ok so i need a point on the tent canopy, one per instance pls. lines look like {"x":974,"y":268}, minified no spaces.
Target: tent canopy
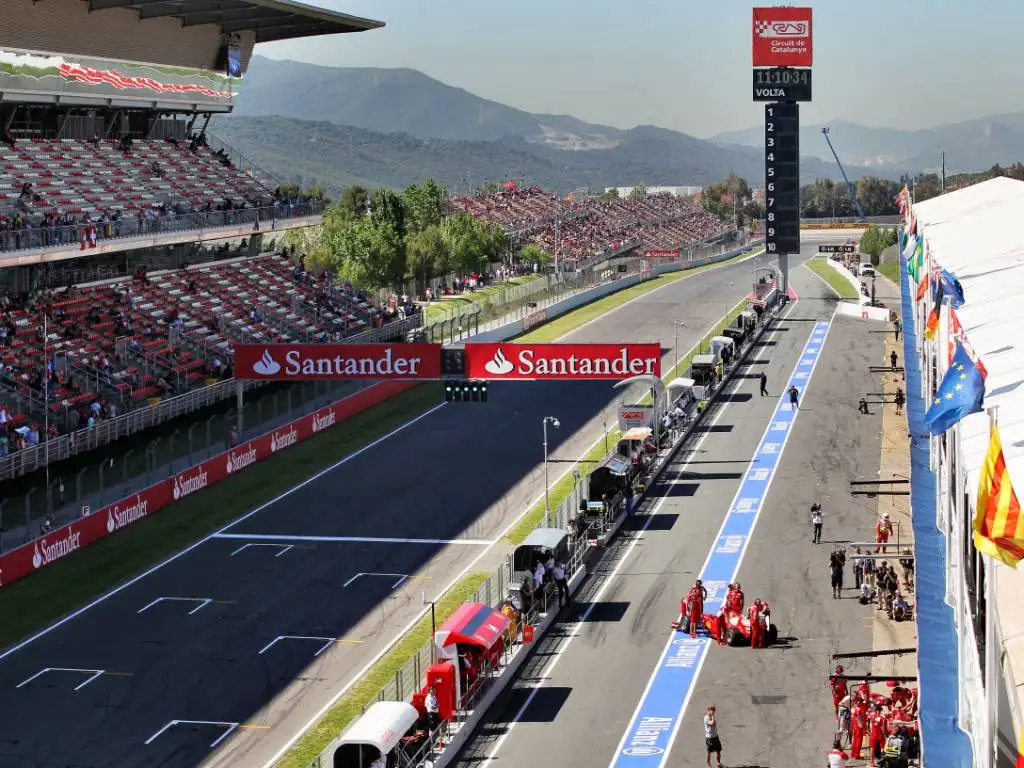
{"x":472,"y":624}
{"x":382,"y":725}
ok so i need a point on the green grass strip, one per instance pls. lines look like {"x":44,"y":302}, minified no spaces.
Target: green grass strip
{"x":37,"y":601}
{"x":890,"y":270}
{"x":444,"y":308}
{"x":367,"y":690}
{"x":830,"y":275}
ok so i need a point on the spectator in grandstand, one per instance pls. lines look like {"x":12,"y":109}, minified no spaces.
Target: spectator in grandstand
{"x":8,"y":139}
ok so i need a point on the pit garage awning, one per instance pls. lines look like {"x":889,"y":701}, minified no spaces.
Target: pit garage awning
{"x":269,"y":20}
{"x":472,"y":624}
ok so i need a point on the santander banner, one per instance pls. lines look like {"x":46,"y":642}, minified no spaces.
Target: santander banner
{"x":562,"y":361}
{"x":27,"y":559}
{"x":295,"y":362}
{"x":782,"y":37}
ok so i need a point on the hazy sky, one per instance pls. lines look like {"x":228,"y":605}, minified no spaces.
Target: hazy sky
{"x":686,"y":65}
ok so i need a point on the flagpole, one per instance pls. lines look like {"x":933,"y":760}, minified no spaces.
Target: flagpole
{"x":991,"y":645}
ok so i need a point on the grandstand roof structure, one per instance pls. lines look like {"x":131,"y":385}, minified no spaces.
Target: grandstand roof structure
{"x":269,"y":20}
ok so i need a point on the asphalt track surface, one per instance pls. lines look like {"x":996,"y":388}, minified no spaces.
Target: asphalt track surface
{"x":577,"y":694}
{"x":461,"y":474}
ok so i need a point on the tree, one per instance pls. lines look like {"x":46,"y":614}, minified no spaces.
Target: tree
{"x":874,"y":241}
{"x":725,"y":198}
{"x":640,"y":190}
{"x":424,"y":205}
{"x":531,"y":253}
{"x":877,"y":197}
{"x":354,"y":199}
{"x":472,"y":243}
{"x":386,"y":206}
{"x":426,"y":256}
{"x":611,"y":194}
{"x":370,"y":253}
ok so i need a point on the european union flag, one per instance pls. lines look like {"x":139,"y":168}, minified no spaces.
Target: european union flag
{"x":962,"y":392}
{"x":952,"y":287}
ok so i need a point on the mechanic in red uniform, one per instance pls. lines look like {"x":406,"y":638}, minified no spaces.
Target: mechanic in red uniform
{"x":715,"y":625}
{"x":734,"y":600}
{"x":858,"y":725}
{"x":839,"y":689}
{"x":694,"y":603}
{"x":754,"y":617}
{"x":876,"y":735}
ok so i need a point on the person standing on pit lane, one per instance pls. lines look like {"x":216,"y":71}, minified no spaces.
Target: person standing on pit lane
{"x":794,"y":397}
{"x":764,"y":384}
{"x":712,"y":743}
{"x":817,"y":520}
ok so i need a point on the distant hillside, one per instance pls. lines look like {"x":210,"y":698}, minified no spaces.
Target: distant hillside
{"x":336,"y":156}
{"x":401,"y":101}
{"x":973,"y":145}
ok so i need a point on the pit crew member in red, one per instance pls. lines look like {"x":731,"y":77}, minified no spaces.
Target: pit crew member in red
{"x":695,"y":605}
{"x":754,"y":617}
{"x":734,"y":599}
{"x":876,"y":736}
{"x":840,"y":690}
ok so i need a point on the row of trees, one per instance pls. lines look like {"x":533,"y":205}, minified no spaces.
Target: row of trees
{"x":385,"y":239}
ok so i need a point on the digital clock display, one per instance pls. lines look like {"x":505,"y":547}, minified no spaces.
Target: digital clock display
{"x":782,"y":84}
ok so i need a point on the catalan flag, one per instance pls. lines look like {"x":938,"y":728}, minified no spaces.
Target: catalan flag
{"x":998,"y":524}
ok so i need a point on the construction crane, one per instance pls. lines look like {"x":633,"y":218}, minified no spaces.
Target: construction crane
{"x":849,"y":184}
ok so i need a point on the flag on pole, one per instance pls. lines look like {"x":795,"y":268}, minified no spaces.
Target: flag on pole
{"x":932,"y":326}
{"x":923,"y":287}
{"x":916,"y":262}
{"x":961,"y":392}
{"x":952,"y":287}
{"x":998,"y":525}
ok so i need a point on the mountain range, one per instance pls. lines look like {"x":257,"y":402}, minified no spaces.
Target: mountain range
{"x":389,"y":127}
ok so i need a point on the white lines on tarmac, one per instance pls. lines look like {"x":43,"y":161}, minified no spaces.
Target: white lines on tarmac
{"x":400,"y":576}
{"x":202,"y":603}
{"x":91,"y":675}
{"x":228,"y":728}
{"x":327,"y":642}
{"x":131,"y":582}
{"x":282,"y":548}
{"x":352,"y":539}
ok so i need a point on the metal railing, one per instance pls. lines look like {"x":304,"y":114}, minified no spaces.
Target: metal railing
{"x":36,"y":237}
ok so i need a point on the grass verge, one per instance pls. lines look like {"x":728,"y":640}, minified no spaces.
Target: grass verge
{"x":836,"y":281}
{"x":44,"y":597}
{"x":890,"y":270}
{"x":442,"y":309}
{"x":366,"y":690}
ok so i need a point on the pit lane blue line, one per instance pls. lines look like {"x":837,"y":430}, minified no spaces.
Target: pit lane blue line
{"x":648,"y":740}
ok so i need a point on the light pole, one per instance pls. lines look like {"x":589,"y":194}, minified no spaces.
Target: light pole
{"x":675,"y":344}
{"x":547,"y":502}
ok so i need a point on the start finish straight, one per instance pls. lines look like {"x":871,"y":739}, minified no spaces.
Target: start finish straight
{"x":655,"y":723}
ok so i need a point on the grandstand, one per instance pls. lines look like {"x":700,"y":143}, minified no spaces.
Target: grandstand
{"x":107,"y":170}
{"x":583,"y":231}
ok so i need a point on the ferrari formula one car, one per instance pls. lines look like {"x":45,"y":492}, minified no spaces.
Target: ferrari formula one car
{"x":737,"y":629}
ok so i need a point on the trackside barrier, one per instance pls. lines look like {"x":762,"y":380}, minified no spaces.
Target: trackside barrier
{"x":863,"y":312}
{"x":68,"y":539}
{"x":30,"y":557}
{"x":444,"y":744}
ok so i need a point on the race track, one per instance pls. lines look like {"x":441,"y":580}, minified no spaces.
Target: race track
{"x":599,"y":677}
{"x":169,"y":671}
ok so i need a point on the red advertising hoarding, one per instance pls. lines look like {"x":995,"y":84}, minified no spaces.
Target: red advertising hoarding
{"x":298,"y":362}
{"x":782,"y":37}
{"x":27,"y":559}
{"x":561,"y":361}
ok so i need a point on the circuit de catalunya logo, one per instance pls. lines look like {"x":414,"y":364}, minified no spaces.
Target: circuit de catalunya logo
{"x":562,"y":361}
{"x":297,"y":362}
{"x":782,"y":37}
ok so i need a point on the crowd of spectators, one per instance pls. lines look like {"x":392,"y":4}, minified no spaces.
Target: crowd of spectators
{"x":577,"y":229}
{"x":89,"y":353}
{"x":71,"y":193}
